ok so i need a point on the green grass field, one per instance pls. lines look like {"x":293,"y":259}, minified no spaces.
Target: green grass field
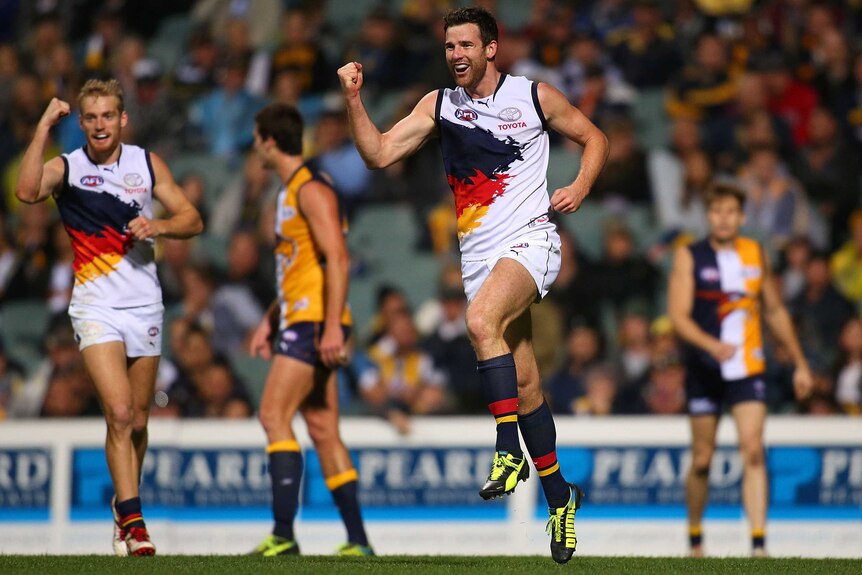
{"x":218,"y":565}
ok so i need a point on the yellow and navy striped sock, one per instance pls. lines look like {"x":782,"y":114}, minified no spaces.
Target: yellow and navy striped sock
{"x":695,"y":536}
{"x":130,"y":513}
{"x":540,"y":437}
{"x":758,"y":538}
{"x":344,"y":488}
{"x":285,"y":470}
{"x":500,"y":385}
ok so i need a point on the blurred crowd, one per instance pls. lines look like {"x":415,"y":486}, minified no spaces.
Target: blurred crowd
{"x":765,"y":93}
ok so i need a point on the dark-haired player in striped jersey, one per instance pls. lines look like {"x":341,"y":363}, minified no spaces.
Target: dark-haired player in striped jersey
{"x":313,"y":322}
{"x":717,"y":290}
{"x":492,"y":130}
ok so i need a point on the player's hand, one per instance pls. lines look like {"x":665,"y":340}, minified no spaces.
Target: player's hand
{"x":332,"y":351}
{"x":56,"y":110}
{"x":803,"y":382}
{"x":350,"y":77}
{"x":567,"y":200}
{"x":143,"y":228}
{"x":722,"y":351}
{"x":261,"y":340}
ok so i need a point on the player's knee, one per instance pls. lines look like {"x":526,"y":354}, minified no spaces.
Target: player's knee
{"x":269,"y":418}
{"x":752,"y":453}
{"x":119,"y":418}
{"x":700,"y":462}
{"x":480,"y":327}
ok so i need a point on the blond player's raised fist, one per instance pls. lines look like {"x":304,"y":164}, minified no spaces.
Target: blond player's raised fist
{"x":350,"y":76}
{"x":56,"y":109}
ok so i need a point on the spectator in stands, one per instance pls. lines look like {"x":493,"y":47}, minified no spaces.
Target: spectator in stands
{"x":243,"y":199}
{"x":576,"y":287}
{"x":11,"y":381}
{"x":176,"y":255}
{"x":706,"y":88}
{"x":848,"y":367}
{"x":261,"y":16}
{"x":792,"y":266}
{"x":61,"y":355}
{"x":829,"y":173}
{"x":104,"y":39}
{"x":62,"y":274}
{"x":645,"y":51}
{"x":820,"y":311}
{"x":391,"y":301}
{"x":155,"y":117}
{"x":218,"y":393}
{"x":70,"y":393}
{"x":600,"y":392}
{"x":790,"y":99}
{"x":31,"y":274}
{"x":584,"y":349}
{"x":833,"y":76}
{"x":776,"y":204}
{"x":338,"y":157}
{"x":225,"y":116}
{"x":846,"y":263}
{"x":624,"y":275}
{"x":379,"y":49}
{"x":300,"y":51}
{"x":679,"y":205}
{"x":194,"y":187}
{"x":624,"y":178}
{"x":410,"y":383}
{"x":196,"y":74}
{"x":448,"y":344}
{"x":664,"y":392}
{"x":632,"y":359}
{"x":244,"y":269}
{"x":193,"y":354}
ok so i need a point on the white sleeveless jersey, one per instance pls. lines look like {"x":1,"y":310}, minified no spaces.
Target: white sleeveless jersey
{"x":97,"y":202}
{"x":495,"y":151}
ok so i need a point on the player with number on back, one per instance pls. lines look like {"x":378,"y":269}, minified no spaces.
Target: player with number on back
{"x":492,"y":130}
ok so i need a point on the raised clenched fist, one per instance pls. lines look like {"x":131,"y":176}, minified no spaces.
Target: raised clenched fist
{"x":350,"y":76}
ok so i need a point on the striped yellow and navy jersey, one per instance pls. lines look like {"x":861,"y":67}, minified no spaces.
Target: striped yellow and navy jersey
{"x":728,"y":286}
{"x":298,"y":262}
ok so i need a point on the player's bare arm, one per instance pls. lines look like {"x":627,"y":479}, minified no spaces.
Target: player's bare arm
{"x":382,"y":150}
{"x":574,"y":125}
{"x":184,"y":221}
{"x":778,"y":319}
{"x":680,"y":303}
{"x":319,"y":205}
{"x":38,"y":181}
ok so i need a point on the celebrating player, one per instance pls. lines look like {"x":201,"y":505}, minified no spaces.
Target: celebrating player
{"x":492,"y":132}
{"x":313,"y":327}
{"x":104,"y":192}
{"x":714,"y":301}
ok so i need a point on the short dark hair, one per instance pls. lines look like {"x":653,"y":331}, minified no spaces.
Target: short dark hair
{"x":717,"y":191}
{"x":282,"y":123}
{"x":479,"y":16}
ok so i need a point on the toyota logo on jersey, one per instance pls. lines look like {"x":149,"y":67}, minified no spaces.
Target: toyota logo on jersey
{"x":466,"y":115}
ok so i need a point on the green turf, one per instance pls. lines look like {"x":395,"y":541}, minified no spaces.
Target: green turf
{"x":217,"y":565}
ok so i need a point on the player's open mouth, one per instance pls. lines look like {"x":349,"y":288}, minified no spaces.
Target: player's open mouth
{"x":460,"y":68}
{"x":101,"y":136}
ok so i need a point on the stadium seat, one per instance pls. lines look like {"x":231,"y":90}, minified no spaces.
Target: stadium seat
{"x":214,"y":171}
{"x":23,"y":325}
{"x":563,"y":166}
{"x":169,"y":43}
{"x":652,"y":124}
{"x":252,"y":371}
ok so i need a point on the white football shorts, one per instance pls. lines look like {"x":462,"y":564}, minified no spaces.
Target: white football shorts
{"x":538,"y":252}
{"x":139,"y":328}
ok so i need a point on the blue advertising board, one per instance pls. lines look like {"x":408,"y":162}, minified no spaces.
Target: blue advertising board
{"x":25,"y":484}
{"x":649,"y":482}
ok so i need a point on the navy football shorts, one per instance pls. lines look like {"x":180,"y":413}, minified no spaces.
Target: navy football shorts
{"x":301,"y":341}
{"x":706,"y":390}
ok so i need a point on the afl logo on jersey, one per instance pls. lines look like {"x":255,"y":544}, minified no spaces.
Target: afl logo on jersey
{"x":466,"y":115}
{"x":92,"y":181}
{"x":133,"y":180}
{"x":509,"y":114}
{"x":710,"y":275}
